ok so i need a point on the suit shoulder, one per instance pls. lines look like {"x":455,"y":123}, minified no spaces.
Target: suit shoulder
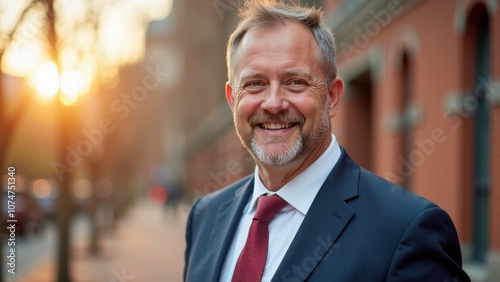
{"x":225,"y":194}
{"x":391,"y":193}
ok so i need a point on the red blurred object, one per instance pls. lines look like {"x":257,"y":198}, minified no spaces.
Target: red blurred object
{"x":158,"y":194}
{"x":25,"y":210}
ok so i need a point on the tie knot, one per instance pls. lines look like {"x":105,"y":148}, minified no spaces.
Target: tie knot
{"x":268,"y":207}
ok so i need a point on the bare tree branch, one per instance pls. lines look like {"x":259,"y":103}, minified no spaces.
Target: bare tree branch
{"x":18,"y":23}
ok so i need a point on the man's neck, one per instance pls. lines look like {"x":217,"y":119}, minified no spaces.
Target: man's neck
{"x":276,"y":176}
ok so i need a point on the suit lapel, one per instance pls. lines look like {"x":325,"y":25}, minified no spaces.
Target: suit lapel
{"x":328,"y":215}
{"x":224,"y":229}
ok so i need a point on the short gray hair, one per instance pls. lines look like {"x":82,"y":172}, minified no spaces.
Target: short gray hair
{"x":269,"y":13}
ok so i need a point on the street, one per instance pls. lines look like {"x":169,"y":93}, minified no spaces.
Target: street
{"x":146,"y":245}
{"x":32,"y":249}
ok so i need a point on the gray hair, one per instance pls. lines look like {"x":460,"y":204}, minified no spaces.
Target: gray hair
{"x":269,"y":13}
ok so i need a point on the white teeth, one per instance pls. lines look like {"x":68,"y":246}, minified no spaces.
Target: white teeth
{"x":276,"y":125}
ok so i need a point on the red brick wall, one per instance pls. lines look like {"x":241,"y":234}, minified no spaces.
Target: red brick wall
{"x":329,"y":5}
{"x":441,"y":65}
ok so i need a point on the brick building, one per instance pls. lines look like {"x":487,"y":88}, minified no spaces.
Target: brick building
{"x":421,"y":108}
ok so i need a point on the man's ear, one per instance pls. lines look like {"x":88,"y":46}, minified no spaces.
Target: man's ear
{"x":335,"y":91}
{"x":229,"y":95}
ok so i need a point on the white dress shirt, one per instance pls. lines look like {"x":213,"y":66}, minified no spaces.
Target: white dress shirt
{"x":299,"y":194}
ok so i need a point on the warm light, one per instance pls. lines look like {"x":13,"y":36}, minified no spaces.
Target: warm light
{"x":46,"y":80}
{"x":67,"y":99}
{"x":42,"y":188}
{"x":72,"y":83}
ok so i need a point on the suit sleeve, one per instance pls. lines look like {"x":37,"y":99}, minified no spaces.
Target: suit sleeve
{"x":428,"y":251}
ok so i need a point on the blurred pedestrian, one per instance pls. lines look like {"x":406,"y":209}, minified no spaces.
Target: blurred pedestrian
{"x":308,"y":212}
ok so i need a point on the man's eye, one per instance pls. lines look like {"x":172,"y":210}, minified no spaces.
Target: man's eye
{"x":254,"y":84}
{"x":297,"y":82}
{"x":296,"y":85}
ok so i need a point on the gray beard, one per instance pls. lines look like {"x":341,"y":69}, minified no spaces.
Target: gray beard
{"x":297,"y":149}
{"x":288,"y":156}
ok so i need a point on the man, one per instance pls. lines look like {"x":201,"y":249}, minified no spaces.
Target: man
{"x":331,"y":220}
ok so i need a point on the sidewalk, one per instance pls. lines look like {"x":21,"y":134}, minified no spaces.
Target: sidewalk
{"x":147,"y":246}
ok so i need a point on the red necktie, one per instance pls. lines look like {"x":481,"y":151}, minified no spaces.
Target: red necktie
{"x":252,"y":260}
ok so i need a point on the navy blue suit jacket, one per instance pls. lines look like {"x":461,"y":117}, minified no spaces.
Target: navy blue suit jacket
{"x":360,"y":227}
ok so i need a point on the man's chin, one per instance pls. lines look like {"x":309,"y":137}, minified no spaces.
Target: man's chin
{"x":275,"y":154}
{"x":273,"y":160}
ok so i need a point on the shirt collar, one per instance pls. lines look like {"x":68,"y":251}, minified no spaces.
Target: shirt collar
{"x":302,"y":189}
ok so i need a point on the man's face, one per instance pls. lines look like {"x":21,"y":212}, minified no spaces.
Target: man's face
{"x":280,"y":101}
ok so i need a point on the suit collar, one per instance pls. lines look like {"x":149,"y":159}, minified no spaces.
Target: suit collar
{"x":301,"y":190}
{"x":225,"y":226}
{"x":344,"y":177}
{"x":328,"y":216}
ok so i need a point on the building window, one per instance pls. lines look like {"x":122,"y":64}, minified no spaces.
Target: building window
{"x":406,"y":117}
{"x":359,"y":135}
{"x":478,"y":34}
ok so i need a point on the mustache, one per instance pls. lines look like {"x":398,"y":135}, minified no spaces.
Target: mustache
{"x":276,"y":118}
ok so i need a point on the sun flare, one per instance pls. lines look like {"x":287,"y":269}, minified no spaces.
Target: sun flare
{"x":45,"y":80}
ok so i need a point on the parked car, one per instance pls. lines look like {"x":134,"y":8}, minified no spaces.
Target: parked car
{"x":25,"y":210}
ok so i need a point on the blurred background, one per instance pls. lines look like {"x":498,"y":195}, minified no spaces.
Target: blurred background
{"x":113,"y":120}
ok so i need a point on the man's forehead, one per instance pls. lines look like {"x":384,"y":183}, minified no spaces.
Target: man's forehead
{"x":281,"y":41}
{"x":291,"y":71}
{"x":288,"y":28}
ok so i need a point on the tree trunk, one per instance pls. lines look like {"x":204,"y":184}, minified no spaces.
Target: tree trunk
{"x":65,"y":121}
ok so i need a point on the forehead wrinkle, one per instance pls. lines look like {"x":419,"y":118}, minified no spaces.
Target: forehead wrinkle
{"x":296,"y":72}
{"x":246,"y":74}
{"x":280,"y":74}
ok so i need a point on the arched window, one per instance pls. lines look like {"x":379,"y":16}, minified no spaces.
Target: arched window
{"x":359,"y":134}
{"x":477,"y":76}
{"x":406,"y":116}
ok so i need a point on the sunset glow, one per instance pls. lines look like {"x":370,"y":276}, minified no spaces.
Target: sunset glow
{"x":45,"y":80}
{"x":72,"y":85}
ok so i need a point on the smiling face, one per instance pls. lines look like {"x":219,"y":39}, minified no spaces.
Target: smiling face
{"x":281,"y":103}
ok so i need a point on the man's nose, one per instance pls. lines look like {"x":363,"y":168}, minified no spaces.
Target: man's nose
{"x":275,"y":100}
